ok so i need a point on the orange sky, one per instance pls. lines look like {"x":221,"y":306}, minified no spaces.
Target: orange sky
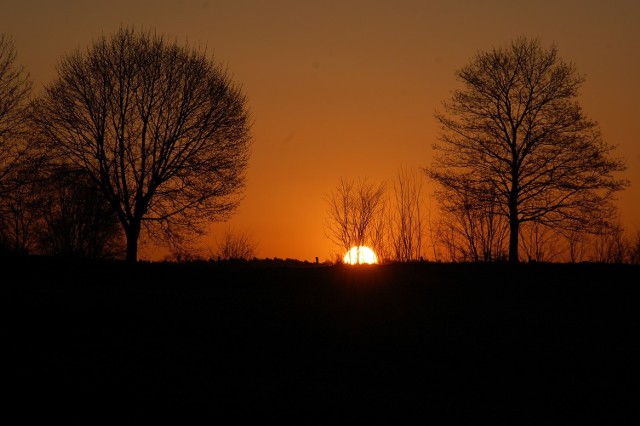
{"x":349,"y":88}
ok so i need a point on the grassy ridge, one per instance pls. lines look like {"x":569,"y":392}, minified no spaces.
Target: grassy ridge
{"x":304,"y":343}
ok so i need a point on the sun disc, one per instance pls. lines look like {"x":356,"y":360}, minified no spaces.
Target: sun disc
{"x":359,"y":255}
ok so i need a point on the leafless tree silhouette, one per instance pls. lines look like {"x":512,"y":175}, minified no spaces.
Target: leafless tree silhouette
{"x":75,"y":220}
{"x":515,"y":141}
{"x":352,"y":210}
{"x":407,"y":224}
{"x":610,"y":245}
{"x":467,"y":231}
{"x":541,"y":243}
{"x":634,"y":249}
{"x":236,"y":246}
{"x":19,"y":212}
{"x":161,"y":129}
{"x":15,"y":88}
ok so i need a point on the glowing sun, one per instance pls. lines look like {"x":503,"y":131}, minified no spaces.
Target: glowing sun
{"x":359,"y":255}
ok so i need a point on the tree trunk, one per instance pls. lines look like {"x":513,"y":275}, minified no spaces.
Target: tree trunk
{"x":514,"y":224}
{"x":132,"y":232}
{"x":513,"y":239}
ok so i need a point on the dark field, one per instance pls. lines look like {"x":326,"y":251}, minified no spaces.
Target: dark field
{"x":397,"y":344}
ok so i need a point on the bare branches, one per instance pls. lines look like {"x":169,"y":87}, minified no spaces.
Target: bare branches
{"x":362,"y":214}
{"x":353,"y":209}
{"x":161,"y":129}
{"x":408,"y":226}
{"x":15,"y":88}
{"x":236,"y":246}
{"x":516,"y":131}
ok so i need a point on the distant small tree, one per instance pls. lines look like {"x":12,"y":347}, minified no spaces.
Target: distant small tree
{"x":407,"y":224}
{"x":634,"y":249}
{"x":236,"y":246}
{"x":576,"y":244}
{"x":353,"y":207}
{"x":471,"y":232}
{"x":610,"y":245}
{"x":75,"y":220}
{"x":19,"y":212}
{"x":541,"y":243}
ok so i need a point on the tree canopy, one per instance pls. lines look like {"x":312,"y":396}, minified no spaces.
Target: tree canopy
{"x":515,"y":142}
{"x":161,"y":129}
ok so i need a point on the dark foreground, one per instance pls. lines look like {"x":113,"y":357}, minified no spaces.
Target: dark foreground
{"x":401,"y":344}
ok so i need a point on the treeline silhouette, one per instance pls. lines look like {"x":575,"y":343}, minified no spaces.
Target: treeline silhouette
{"x":398,"y":222}
{"x":92,"y":165}
{"x":57,"y":211}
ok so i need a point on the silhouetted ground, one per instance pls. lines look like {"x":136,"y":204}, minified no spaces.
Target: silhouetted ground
{"x":304,"y":344}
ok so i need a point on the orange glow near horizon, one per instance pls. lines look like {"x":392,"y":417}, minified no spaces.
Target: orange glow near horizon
{"x":360,"y":255}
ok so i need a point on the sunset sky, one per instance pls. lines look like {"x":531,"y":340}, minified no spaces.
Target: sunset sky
{"x":349,"y":88}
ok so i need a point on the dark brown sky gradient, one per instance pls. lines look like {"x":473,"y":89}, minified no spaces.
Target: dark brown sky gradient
{"x":349,"y":88}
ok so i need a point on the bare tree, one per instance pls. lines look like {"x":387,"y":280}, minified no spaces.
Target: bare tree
{"x":541,"y":243}
{"x":353,"y":208}
{"x":469,"y":231}
{"x":18,"y":212}
{"x":162,"y":131}
{"x":634,"y":249}
{"x":408,"y":224}
{"x":340,"y":212}
{"x":57,"y":211}
{"x":610,"y":245}
{"x":74,"y":219}
{"x":576,"y":244}
{"x":236,"y":246}
{"x":15,"y":88}
{"x":515,"y":138}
